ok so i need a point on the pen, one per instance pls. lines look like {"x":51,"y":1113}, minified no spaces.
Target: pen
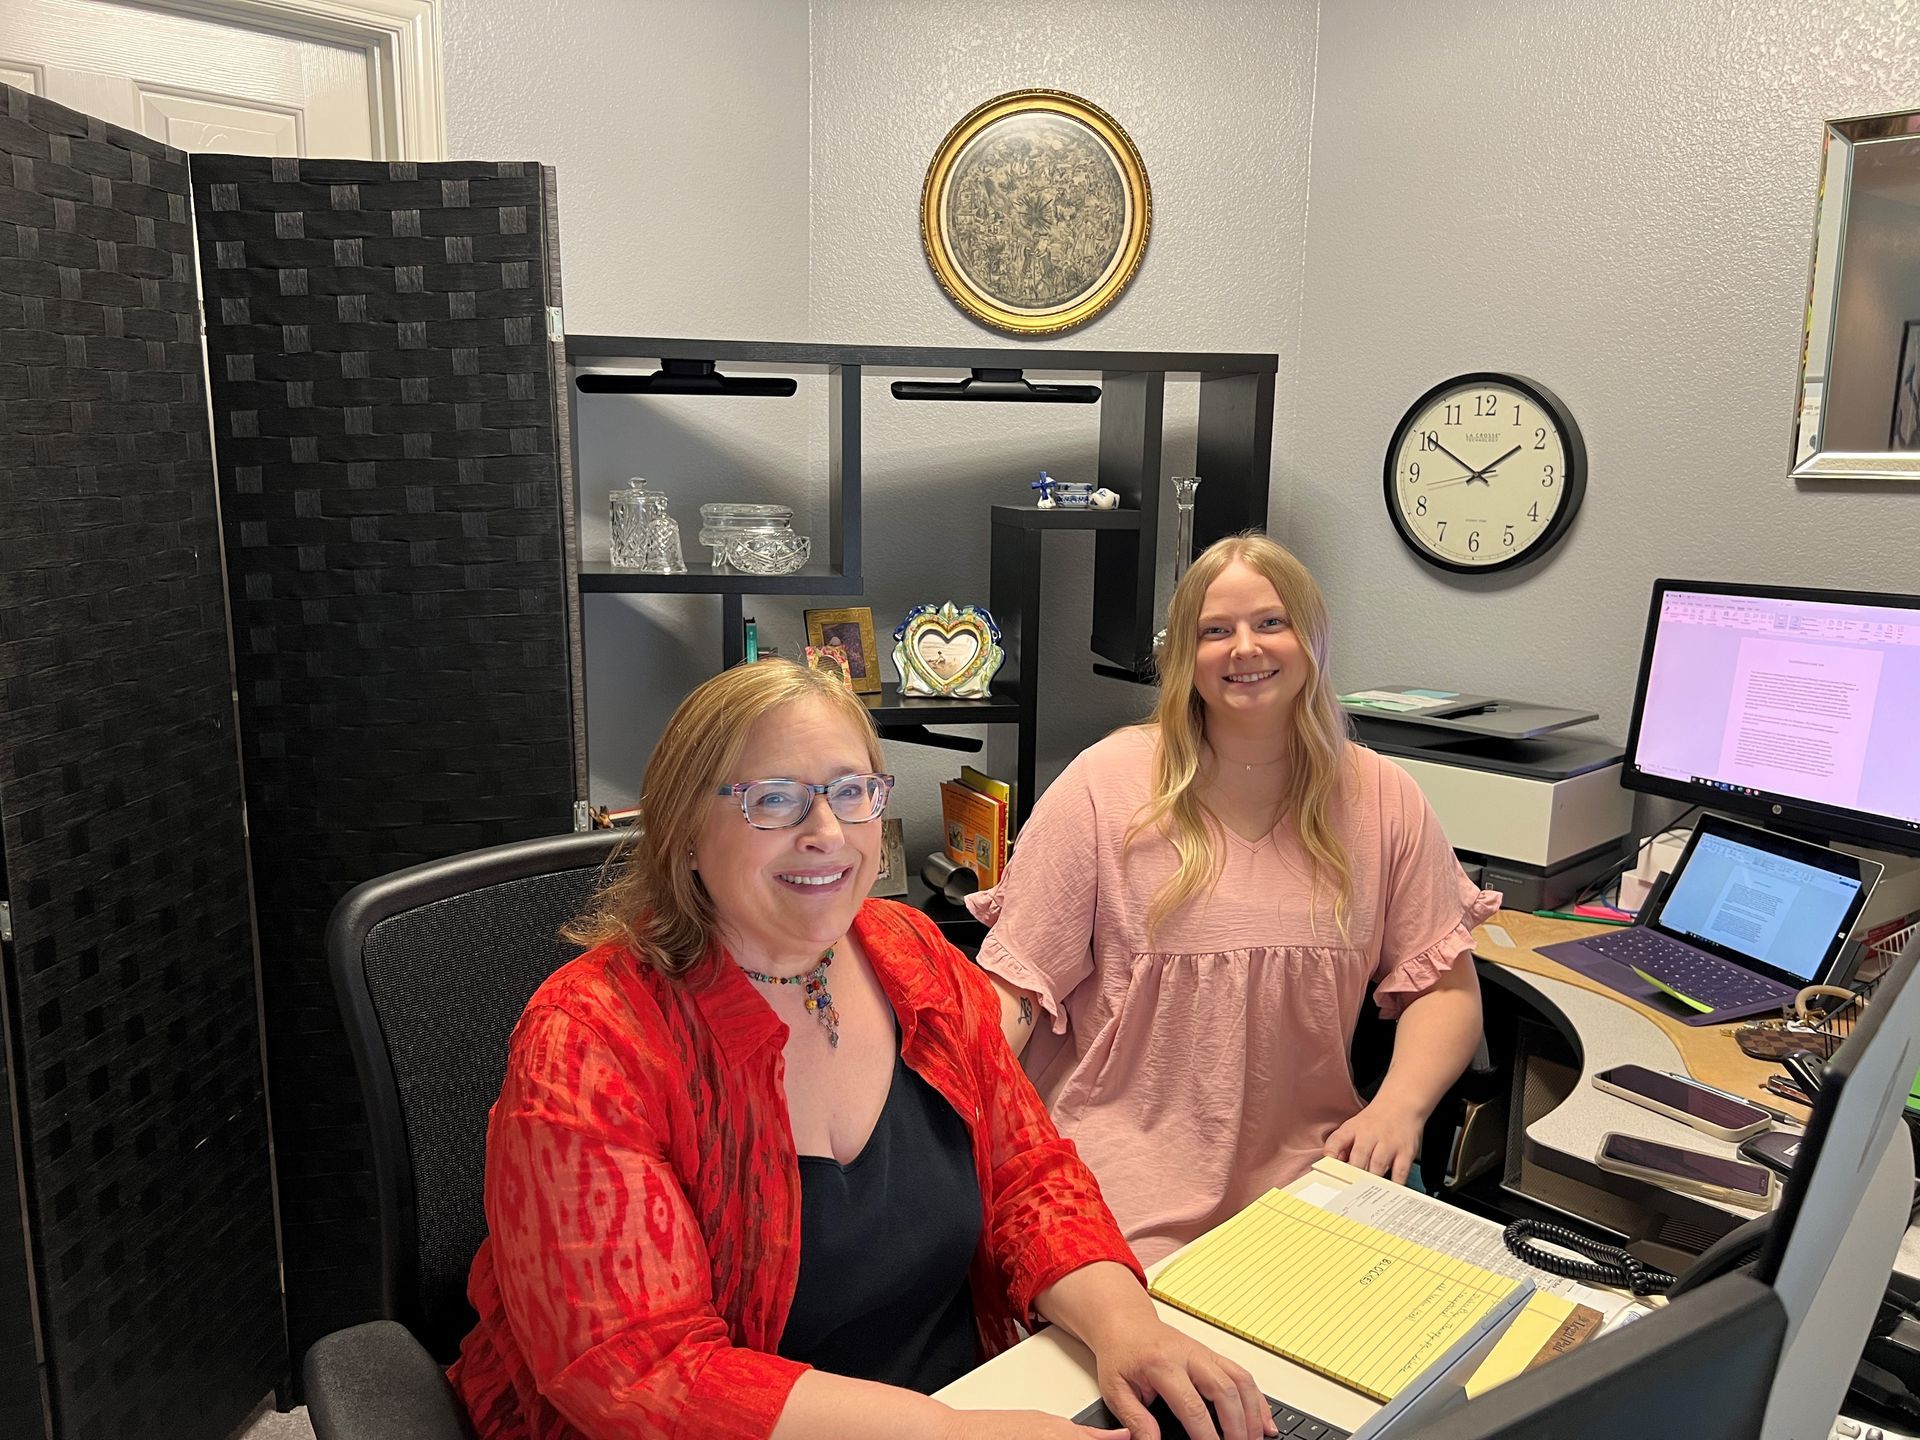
{"x":1729,"y":1095}
{"x":1583,"y":919}
{"x":1786,"y":1090}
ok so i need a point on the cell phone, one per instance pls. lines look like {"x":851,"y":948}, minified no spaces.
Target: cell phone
{"x":1707,"y":1111}
{"x":1777,"y":1150}
{"x":1691,"y":1172}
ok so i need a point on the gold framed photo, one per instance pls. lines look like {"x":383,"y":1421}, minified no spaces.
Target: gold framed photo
{"x":1035,"y":211}
{"x":852,"y":630}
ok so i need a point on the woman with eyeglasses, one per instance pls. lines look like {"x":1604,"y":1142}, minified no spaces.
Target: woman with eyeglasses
{"x":763,"y":1164}
{"x":1196,"y":911}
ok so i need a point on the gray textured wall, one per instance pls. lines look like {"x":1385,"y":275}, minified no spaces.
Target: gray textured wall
{"x":1616,"y":199}
{"x":1218,"y":99}
{"x":1613,"y":198}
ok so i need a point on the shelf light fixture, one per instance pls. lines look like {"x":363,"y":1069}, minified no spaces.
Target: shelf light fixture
{"x":989,"y":384}
{"x":684,"y":377}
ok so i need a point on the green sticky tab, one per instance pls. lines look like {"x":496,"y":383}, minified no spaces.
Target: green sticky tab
{"x":1662,"y":985}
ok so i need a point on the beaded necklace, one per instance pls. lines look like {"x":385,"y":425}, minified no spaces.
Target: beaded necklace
{"x":819,"y":1001}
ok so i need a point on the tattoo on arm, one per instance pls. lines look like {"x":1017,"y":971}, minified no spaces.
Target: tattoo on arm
{"x":1026,"y":1010}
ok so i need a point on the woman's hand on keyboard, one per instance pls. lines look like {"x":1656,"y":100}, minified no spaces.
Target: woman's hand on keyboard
{"x":1156,"y":1360}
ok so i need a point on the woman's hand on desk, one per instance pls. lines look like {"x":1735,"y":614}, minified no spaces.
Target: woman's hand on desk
{"x":1136,"y":1354}
{"x":1383,"y":1139}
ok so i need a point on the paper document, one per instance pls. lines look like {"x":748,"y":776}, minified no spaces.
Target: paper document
{"x":1401,"y":701}
{"x":1439,"y":1226}
{"x":1356,"y":1304}
{"x":1562,"y":1314}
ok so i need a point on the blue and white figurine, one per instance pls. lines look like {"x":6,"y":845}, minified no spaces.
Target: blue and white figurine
{"x":1045,"y":486}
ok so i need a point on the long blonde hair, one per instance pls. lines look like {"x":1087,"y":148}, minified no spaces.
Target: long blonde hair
{"x":1317,"y":740}
{"x":654,"y":900}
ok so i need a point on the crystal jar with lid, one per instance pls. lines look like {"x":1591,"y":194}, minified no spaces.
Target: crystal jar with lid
{"x":645,"y":536}
{"x":720,"y":523}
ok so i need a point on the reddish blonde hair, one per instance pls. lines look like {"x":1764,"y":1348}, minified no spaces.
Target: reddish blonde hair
{"x":654,"y":901}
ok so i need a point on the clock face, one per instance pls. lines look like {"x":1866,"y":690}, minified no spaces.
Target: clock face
{"x":1485,"y":471}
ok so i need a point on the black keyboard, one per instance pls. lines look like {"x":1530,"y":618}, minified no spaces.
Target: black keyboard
{"x":1294,"y":1424}
{"x":1707,"y":978}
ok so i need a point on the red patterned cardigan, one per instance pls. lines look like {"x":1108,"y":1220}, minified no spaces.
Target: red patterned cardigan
{"x":643,"y":1197}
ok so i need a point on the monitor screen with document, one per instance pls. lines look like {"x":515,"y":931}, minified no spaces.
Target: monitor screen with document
{"x":1789,"y":706}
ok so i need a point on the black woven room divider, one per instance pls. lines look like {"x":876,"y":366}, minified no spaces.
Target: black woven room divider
{"x":388,"y":453}
{"x":132,"y":1030}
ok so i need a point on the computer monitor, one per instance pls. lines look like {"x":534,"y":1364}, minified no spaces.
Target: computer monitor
{"x":1700,"y":1368}
{"x":1792,"y":707}
{"x":1766,"y":1355}
{"x":1846,"y":1205}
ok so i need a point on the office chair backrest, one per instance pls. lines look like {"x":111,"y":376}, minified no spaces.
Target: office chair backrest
{"x":433,"y":966}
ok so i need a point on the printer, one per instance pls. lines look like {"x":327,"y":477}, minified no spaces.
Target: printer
{"x":1536,"y":815}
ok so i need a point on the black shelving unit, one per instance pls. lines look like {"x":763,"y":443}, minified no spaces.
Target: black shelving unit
{"x":1234,"y":454}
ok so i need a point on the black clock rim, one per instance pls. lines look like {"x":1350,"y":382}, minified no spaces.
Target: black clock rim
{"x":1573,"y":492}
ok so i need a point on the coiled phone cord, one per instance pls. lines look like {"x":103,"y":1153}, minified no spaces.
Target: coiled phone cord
{"x":1610,"y":1265}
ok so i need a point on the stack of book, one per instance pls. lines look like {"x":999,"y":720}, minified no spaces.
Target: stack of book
{"x":977,"y":811}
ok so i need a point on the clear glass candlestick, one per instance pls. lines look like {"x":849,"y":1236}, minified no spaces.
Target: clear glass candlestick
{"x":1184,"y":487}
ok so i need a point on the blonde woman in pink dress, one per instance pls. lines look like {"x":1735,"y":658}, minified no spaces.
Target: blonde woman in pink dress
{"x":1196,"y":911}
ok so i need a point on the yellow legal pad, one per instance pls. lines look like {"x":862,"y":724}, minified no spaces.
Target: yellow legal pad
{"x":1356,"y":1304}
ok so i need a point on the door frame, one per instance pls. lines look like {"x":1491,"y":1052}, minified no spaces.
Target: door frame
{"x":400,"y":38}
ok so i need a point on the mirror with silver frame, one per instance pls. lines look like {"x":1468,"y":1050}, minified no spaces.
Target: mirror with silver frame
{"x":1858,"y":416}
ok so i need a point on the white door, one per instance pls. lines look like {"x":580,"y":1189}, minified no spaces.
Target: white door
{"x":193,"y":83}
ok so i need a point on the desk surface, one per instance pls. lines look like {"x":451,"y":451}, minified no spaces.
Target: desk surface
{"x":1611,"y":1029}
{"x":1708,"y":1052}
{"x":1053,"y":1372}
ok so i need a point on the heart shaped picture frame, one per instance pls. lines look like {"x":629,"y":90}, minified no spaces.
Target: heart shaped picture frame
{"x":951,"y":650}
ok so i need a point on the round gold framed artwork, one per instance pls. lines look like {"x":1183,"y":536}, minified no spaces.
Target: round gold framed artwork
{"x":1035,"y":211}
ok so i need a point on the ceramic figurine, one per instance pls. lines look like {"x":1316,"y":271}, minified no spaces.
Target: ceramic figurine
{"x":1045,"y":486}
{"x":1105,"y":499}
{"x":953,"y":650}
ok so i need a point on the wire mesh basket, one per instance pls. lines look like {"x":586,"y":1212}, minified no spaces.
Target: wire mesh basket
{"x":1838,"y":1015}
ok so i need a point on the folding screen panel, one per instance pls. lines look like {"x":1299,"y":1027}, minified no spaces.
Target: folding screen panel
{"x":132,"y":1040}
{"x":388,"y":457}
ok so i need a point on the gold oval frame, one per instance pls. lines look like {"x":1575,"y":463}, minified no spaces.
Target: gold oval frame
{"x":993,"y":310}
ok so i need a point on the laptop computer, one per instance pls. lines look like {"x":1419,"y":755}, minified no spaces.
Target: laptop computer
{"x":1434,"y":1391}
{"x":1748,"y":918}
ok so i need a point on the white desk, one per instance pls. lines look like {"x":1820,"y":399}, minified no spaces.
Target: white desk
{"x":1611,"y":1029}
{"x":1053,"y":1372}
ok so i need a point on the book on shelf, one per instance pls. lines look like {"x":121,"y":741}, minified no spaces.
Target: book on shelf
{"x":987,"y":785}
{"x":975,"y":828}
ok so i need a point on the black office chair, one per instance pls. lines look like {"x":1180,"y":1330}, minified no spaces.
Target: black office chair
{"x":432,"y":966}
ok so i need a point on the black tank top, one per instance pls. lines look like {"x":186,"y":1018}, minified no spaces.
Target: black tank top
{"x":885,"y":1245}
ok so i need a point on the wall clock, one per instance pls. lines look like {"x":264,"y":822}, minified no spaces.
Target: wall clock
{"x":1485,"y":472}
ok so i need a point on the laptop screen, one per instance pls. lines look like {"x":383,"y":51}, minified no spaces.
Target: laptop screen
{"x":1785,"y":905}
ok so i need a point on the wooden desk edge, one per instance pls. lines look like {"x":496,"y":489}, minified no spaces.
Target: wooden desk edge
{"x":1709,"y":1052}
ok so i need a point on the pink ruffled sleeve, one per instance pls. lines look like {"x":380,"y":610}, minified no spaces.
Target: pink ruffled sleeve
{"x":1041,"y":913}
{"x":1430,"y":908}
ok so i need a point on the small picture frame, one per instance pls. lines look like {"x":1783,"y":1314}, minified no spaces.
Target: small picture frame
{"x":891,"y":882}
{"x":830,"y":660}
{"x":852,"y":630}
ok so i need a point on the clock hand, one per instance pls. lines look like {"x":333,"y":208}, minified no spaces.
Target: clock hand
{"x":1481,"y":473}
{"x":1451,"y":456}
